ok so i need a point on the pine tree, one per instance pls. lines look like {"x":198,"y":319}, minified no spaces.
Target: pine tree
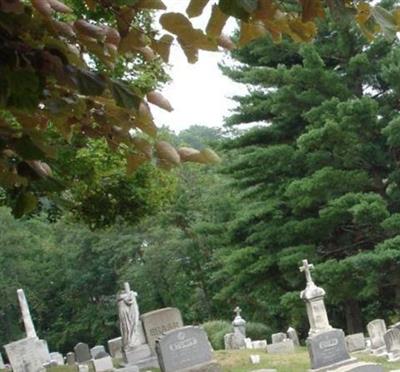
{"x":318,"y":177}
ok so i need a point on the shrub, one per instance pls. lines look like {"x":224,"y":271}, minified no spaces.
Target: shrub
{"x":258,"y":331}
{"x":216,"y":330}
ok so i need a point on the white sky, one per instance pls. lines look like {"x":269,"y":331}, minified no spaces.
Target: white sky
{"x":199,"y":93}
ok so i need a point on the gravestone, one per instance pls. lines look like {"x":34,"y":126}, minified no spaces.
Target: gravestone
{"x":185,"y":349}
{"x":283,"y":347}
{"x":97,"y":349}
{"x":355,"y":342}
{"x":28,"y":354}
{"x":82,"y":353}
{"x":58,"y":358}
{"x":103,"y":364}
{"x":255,"y":359}
{"x":259,"y":344}
{"x":395,"y":325}
{"x":83,"y":368}
{"x":326,"y":345}
{"x":292,"y":334}
{"x":71,"y":358}
{"x":157,"y":322}
{"x":278,"y":337}
{"x":115,"y":347}
{"x":392,"y":342}
{"x":376,"y":330}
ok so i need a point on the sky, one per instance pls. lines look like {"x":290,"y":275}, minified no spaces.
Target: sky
{"x":199,"y":93}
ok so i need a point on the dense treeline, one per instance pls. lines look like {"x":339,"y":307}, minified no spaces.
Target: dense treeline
{"x":318,"y":178}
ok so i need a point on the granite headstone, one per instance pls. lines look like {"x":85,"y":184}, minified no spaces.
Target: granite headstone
{"x":278,"y":337}
{"x":283,"y":347}
{"x":82,"y":353}
{"x":97,"y":349}
{"x":292,"y":334}
{"x":392,"y":341}
{"x":376,"y":330}
{"x":355,"y":342}
{"x":115,"y":347}
{"x":71,"y":358}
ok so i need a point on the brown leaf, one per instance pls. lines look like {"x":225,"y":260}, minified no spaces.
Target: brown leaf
{"x":311,"y":10}
{"x":91,"y":4}
{"x":43,"y":7}
{"x":11,"y":6}
{"x":58,"y":6}
{"x":196,"y":7}
{"x":205,"y":156}
{"x":266,"y":10}
{"x":133,"y":40}
{"x":143,"y":146}
{"x":144,"y":120}
{"x":191,"y":53}
{"x":216,"y":22}
{"x":226,"y":42}
{"x":147,"y":53}
{"x":63,"y":28}
{"x":133,"y":162}
{"x":41,"y":168}
{"x":112,"y":36}
{"x":124,"y":19}
{"x":163,"y":46}
{"x":159,"y":100}
{"x":250,"y":32}
{"x":150,"y":4}
{"x":166,"y":152}
{"x":89,"y":29}
{"x":188,"y":154}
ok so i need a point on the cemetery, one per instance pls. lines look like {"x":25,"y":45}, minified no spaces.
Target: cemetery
{"x":199,"y":186}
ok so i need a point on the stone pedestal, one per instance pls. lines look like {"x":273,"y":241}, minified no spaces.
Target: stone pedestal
{"x":140,"y":356}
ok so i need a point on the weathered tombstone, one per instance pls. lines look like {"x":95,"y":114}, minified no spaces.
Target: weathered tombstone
{"x":283,"y":347}
{"x":228,"y":341}
{"x":115,"y":347}
{"x":376,"y":331}
{"x":236,"y":339}
{"x":355,"y":342}
{"x":278,"y":337}
{"x":185,"y":349}
{"x":157,"y":322}
{"x":255,"y":359}
{"x":97,"y":349}
{"x":57,"y":358}
{"x":82,"y":353}
{"x":71,"y":358}
{"x":103,"y":364}
{"x":327,"y":346}
{"x":392,"y":341}
{"x":83,"y":368}
{"x":259,"y":344}
{"x":292,"y":334}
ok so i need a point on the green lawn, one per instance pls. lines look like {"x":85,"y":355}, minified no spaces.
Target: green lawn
{"x":239,"y":361}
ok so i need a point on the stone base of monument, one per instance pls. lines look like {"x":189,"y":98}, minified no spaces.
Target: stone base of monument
{"x":140,"y":356}
{"x":394,"y":356}
{"x":381,"y":351}
{"x":211,"y":366}
{"x":359,"y":367}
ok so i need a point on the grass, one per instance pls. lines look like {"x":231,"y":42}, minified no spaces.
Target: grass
{"x":239,"y":361}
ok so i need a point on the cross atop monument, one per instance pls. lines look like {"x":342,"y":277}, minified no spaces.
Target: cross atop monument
{"x":307,"y":269}
{"x":237,"y":310}
{"x":127,"y":287}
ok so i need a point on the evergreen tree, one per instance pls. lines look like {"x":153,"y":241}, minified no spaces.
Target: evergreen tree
{"x":318,"y":178}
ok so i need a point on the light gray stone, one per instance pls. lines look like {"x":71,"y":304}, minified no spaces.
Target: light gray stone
{"x":259,"y":344}
{"x":239,"y":324}
{"x":228,"y":341}
{"x":355,"y":342}
{"x":103,"y":364}
{"x":255,"y":359}
{"x":292,"y":334}
{"x":185,"y":349}
{"x":360,"y":367}
{"x":96,"y":350}
{"x":28,"y":354}
{"x":115,"y":347}
{"x":26,"y":315}
{"x":83,"y":368}
{"x":128,"y":369}
{"x":284,"y":347}
{"x":82,"y":353}
{"x":392,"y":342}
{"x":71,"y":358}
{"x":278,"y":337}
{"x":2,"y":366}
{"x":396,"y":325}
{"x":157,"y":322}
{"x":376,"y":331}
{"x":57,"y":357}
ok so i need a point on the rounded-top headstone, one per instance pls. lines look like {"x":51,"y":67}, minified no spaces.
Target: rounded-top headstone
{"x":101,"y":354}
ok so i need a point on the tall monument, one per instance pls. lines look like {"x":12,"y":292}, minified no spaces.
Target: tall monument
{"x":26,"y":314}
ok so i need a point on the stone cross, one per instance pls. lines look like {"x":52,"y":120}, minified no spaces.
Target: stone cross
{"x":307,"y":269}
{"x":26,"y":315}
{"x":237,"y":310}
{"x":127,"y":287}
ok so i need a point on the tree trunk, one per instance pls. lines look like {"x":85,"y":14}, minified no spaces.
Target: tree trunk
{"x":353,"y":316}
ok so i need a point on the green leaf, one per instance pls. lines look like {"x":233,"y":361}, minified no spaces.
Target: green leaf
{"x":26,"y":203}
{"x":90,"y":83}
{"x":25,"y":147}
{"x":124,"y":95}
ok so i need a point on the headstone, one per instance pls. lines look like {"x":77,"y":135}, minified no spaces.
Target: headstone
{"x":58,"y":358}
{"x":355,"y":342}
{"x":284,"y":347}
{"x":102,"y":354}
{"x":376,"y":331}
{"x":396,"y":325}
{"x":97,"y":349}
{"x":82,"y":353}
{"x":259,"y":344}
{"x":228,"y":341}
{"x":83,"y":368}
{"x":327,"y":346}
{"x":278,"y":337}
{"x":255,"y":359}
{"x":247,"y":342}
{"x":103,"y":364}
{"x":392,"y":341}
{"x":157,"y":322}
{"x":185,"y":349}
{"x":26,"y":315}
{"x":115,"y":347}
{"x":28,"y":354}
{"x":71,"y":358}
{"x":292,"y":334}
